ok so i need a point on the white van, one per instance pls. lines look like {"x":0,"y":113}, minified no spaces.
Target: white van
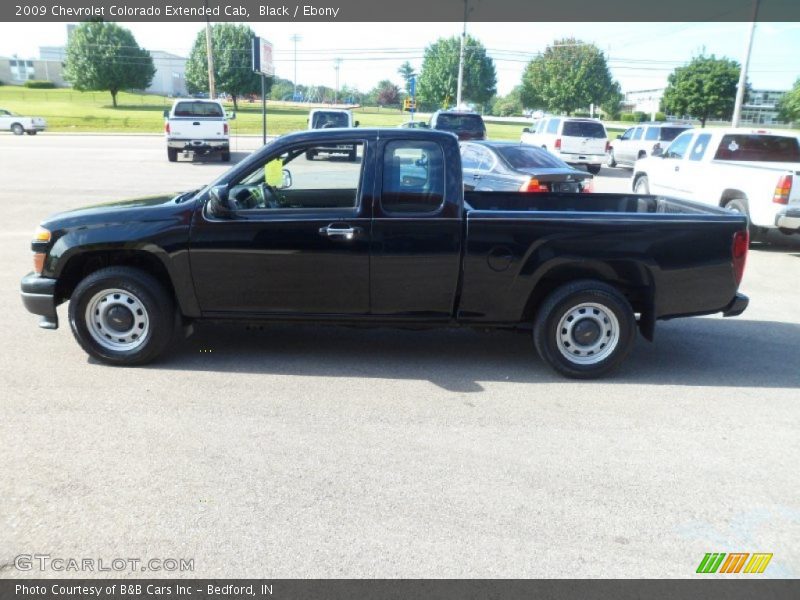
{"x":574,"y":140}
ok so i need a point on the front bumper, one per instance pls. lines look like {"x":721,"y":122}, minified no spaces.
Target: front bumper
{"x":789,"y":219}
{"x":39,"y":297}
{"x":737,"y":306}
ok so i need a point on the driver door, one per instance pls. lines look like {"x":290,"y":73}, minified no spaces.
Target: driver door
{"x":291,"y":243}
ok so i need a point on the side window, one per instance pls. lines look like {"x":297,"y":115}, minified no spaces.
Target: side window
{"x":637,"y":134}
{"x":678,"y":148}
{"x":700,"y":145}
{"x":413,"y":177}
{"x":540,"y":126}
{"x":469,"y":157}
{"x":303,"y":177}
{"x":486,"y":159}
{"x":552,"y":125}
{"x":627,"y":135}
{"x":651,"y":135}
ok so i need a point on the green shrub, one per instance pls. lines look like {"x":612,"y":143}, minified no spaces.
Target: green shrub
{"x":627,"y":118}
{"x":661,"y":116}
{"x":581,"y":114}
{"x":38,"y":84}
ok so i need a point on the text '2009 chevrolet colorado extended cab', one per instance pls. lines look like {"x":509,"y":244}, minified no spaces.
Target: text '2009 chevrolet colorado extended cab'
{"x":390,"y":239}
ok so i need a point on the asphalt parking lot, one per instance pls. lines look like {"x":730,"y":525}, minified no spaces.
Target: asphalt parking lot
{"x":331,"y":452}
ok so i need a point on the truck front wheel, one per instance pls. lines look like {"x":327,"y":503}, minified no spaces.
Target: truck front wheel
{"x":122,"y":316}
{"x":584,"y":329}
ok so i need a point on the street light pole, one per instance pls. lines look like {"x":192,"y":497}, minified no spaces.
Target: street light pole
{"x":737,"y":108}
{"x":295,"y":38}
{"x":461,"y":58}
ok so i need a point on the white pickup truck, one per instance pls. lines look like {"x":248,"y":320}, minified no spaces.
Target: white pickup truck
{"x":197,"y":127}
{"x":754,"y":172}
{"x":17,"y":124}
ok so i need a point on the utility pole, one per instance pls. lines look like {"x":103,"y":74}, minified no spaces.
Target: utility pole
{"x":296,"y":37}
{"x":461,"y":58}
{"x":737,"y":108}
{"x":336,"y":64}
{"x":212,"y":88}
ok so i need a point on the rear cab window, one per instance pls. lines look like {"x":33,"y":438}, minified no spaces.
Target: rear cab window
{"x":198,"y":110}
{"x":325,"y":120}
{"x":758,"y":147}
{"x":459,"y":122}
{"x":413,"y":177}
{"x":584,"y":129}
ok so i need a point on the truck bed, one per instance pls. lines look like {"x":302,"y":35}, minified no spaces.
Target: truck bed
{"x":520,"y":242}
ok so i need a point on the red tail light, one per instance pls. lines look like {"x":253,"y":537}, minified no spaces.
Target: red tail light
{"x":166,"y":127}
{"x":782,"y":190}
{"x":608,"y":146}
{"x":588,"y":186}
{"x":533,"y":185}
{"x":557,"y":145}
{"x":741,"y":242}
{"x":225,"y":128}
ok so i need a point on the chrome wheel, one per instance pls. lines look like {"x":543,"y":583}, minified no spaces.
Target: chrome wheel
{"x":587,"y":333}
{"x":117,"y":320}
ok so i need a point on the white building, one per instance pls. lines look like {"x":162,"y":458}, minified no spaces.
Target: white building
{"x":646,"y":101}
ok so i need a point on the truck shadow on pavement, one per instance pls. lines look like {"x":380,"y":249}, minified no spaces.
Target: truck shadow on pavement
{"x":690,"y":352}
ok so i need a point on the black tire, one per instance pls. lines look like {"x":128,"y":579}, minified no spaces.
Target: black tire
{"x":613,"y":336}
{"x":31,"y":132}
{"x":641,"y":185}
{"x":310,"y":154}
{"x":612,"y":162}
{"x":172,"y":154}
{"x":225,"y":156}
{"x":740,"y":206}
{"x":155,"y":304}
{"x":593,"y":169}
{"x":17,"y":129}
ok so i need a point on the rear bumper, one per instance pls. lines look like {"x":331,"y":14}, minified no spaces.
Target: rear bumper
{"x":583,"y":159}
{"x":38,"y":296}
{"x":788,"y":219}
{"x":198,"y":145}
{"x":737,"y":306}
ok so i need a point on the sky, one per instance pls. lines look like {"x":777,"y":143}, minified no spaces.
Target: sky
{"x":641,"y":55}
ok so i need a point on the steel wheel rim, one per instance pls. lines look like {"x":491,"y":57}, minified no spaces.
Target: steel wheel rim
{"x":105,"y":330}
{"x":593,"y":315}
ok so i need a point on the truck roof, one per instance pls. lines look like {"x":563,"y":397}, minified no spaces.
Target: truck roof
{"x":380,"y":132}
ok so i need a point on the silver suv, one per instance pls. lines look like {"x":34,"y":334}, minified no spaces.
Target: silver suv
{"x":641,"y":140}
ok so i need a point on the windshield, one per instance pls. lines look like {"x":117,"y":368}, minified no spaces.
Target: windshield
{"x":758,"y":148}
{"x":456,"y":122}
{"x":198,"y":109}
{"x":324,"y":120}
{"x":584,"y":129}
{"x":528,"y":157}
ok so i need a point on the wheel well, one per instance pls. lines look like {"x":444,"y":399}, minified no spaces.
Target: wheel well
{"x":636,"y":288}
{"x":82,"y":265}
{"x":729,"y":195}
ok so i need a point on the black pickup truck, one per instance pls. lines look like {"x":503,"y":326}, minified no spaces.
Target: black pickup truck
{"x":390,"y":239}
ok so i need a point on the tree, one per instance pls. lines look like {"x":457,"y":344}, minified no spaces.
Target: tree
{"x":507,"y":106}
{"x":704,"y":89}
{"x":407,"y":72}
{"x":437,"y":83}
{"x":233,"y":71}
{"x":610,"y":106}
{"x":789,"y":105}
{"x":568,"y":76}
{"x":385,"y":94}
{"x":104,"y":56}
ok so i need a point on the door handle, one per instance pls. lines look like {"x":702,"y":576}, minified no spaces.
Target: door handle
{"x":677,"y":168}
{"x":196,"y":123}
{"x":476,"y":176}
{"x":340,"y":231}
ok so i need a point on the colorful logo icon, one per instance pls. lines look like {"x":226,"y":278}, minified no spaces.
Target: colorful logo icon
{"x":716,"y":562}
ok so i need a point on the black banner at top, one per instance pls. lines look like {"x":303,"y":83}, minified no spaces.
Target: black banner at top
{"x":532,"y":11}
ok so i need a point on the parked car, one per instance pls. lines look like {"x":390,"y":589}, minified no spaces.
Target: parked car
{"x":17,"y":124}
{"x":576,"y":141}
{"x":331,"y":118}
{"x":394,"y":241}
{"x":466,"y":125}
{"x":512,"y":167}
{"x":640,"y":141}
{"x":197,"y":126}
{"x":753,"y":172}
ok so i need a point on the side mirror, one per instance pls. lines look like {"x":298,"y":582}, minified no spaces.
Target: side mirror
{"x":231,"y":116}
{"x":218,"y":201}
{"x":166,"y":113}
{"x":287,"y":179}
{"x":526,"y":130}
{"x":619,"y":136}
{"x":356,"y":124}
{"x":657,"y":152}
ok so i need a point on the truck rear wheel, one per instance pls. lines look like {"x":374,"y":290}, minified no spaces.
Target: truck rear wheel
{"x":226,"y":156}
{"x":584,"y":329}
{"x":172,"y":154}
{"x":122,"y":316}
{"x":593,"y":169}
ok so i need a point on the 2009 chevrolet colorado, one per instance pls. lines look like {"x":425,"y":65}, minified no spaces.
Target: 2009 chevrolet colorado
{"x":389,"y":239}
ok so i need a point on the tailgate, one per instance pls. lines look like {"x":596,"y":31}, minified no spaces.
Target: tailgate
{"x":573,"y":145}
{"x":191,"y":128}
